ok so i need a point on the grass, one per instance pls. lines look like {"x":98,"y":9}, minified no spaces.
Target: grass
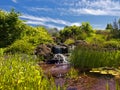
{"x":90,"y":57}
{"x":18,"y":73}
{"x":73,"y":73}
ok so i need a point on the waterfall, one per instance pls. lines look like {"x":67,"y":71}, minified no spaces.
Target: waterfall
{"x":61,"y":58}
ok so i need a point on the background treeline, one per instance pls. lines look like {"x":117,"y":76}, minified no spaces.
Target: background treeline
{"x":16,"y":36}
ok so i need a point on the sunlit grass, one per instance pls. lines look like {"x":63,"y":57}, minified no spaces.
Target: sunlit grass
{"x":17,"y":73}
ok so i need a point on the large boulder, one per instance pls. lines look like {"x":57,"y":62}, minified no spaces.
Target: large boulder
{"x":44,"y":50}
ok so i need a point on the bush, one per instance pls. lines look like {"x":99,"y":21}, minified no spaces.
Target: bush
{"x":82,"y":36}
{"x":20,"y":46}
{"x":69,"y":41}
{"x":96,"y":39}
{"x":31,"y":38}
{"x":111,"y":44}
{"x":37,"y":35}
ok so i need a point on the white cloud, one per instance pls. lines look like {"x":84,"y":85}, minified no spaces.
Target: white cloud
{"x":35,"y":22}
{"x":45,"y":19}
{"x":88,"y":11}
{"x":83,"y":7}
{"x":92,"y":7}
{"x":15,"y":1}
{"x":44,"y":24}
{"x":75,"y":23}
{"x":40,"y":9}
{"x":98,"y":26}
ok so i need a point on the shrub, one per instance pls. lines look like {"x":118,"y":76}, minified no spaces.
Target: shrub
{"x":20,"y":46}
{"x":31,"y":38}
{"x":69,"y":41}
{"x":111,"y":44}
{"x":37,"y":35}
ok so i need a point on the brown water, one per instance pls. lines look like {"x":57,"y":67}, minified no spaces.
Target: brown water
{"x":89,"y":81}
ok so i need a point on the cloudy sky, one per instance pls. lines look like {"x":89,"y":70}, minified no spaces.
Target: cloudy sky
{"x":60,"y":13}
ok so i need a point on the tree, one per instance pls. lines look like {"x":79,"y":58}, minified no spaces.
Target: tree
{"x":116,"y":31}
{"x":76,"y":32}
{"x":109,"y":27}
{"x":87,"y":28}
{"x":10,"y":27}
{"x":119,"y":23}
{"x":115,"y":25}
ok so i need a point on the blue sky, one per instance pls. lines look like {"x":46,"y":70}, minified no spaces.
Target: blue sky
{"x":60,"y":13}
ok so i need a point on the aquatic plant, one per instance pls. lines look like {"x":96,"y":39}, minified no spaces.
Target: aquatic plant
{"x":94,"y":57}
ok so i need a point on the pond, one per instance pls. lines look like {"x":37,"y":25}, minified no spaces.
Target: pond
{"x":84,"y":81}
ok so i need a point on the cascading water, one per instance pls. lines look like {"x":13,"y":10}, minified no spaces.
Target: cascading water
{"x":61,"y":58}
{"x":58,"y":66}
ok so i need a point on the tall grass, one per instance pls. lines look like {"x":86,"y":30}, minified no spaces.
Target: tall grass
{"x":94,"y":57}
{"x":1,"y":51}
{"x":17,"y":73}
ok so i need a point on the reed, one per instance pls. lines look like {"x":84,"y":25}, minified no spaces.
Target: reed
{"x":94,"y":57}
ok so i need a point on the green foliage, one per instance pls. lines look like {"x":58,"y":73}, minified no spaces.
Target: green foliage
{"x":10,"y":27}
{"x":18,"y":73}
{"x":109,"y":27}
{"x":22,"y":38}
{"x":20,"y":46}
{"x":69,"y":32}
{"x":69,"y":41}
{"x":73,"y":73}
{"x":31,"y":38}
{"x":82,"y":36}
{"x":94,"y":57}
{"x":96,"y":39}
{"x":1,"y":51}
{"x":37,"y":35}
{"x":86,"y":27}
{"x":115,"y":31}
{"x":112,"y":44}
{"x":77,"y":32}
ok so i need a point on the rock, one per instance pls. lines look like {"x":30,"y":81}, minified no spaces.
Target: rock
{"x":47,"y":51}
{"x":80,"y":42}
{"x":52,"y":61}
{"x":44,"y":50}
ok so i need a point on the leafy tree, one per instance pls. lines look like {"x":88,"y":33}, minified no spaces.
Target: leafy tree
{"x":76,"y":32}
{"x":17,"y":36}
{"x":86,"y":27}
{"x":10,"y":27}
{"x":31,"y":37}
